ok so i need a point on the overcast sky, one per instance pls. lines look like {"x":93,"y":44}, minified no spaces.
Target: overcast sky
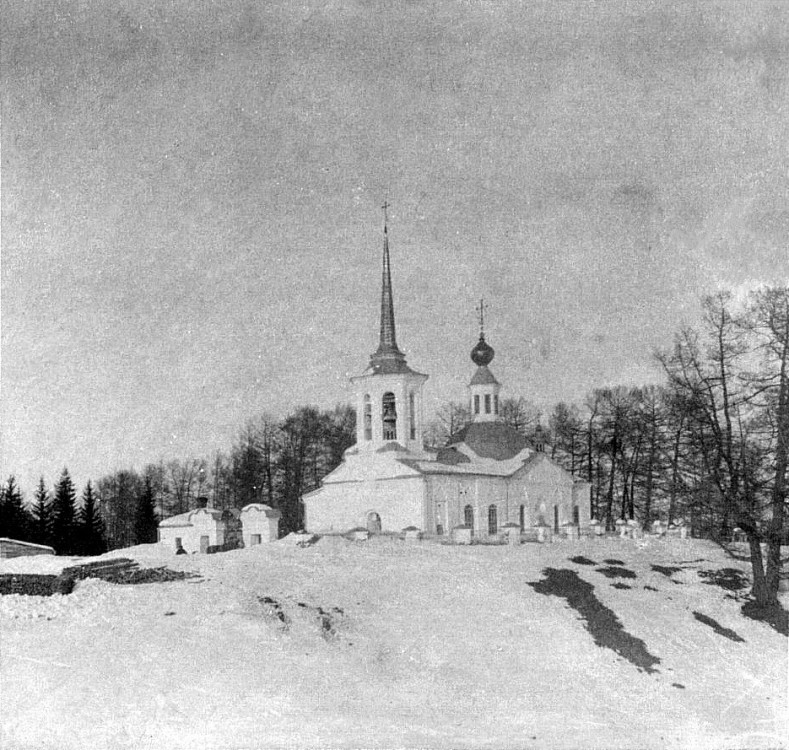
{"x":191,"y":193}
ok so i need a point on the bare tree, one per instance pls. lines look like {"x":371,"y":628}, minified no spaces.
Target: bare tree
{"x":450,"y":419}
{"x":726,"y":410}
{"x":520,"y":414}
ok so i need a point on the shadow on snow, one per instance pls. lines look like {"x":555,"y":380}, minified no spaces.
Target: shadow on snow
{"x":603,"y":625}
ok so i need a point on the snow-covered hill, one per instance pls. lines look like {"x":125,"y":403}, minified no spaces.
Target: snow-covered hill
{"x":594,"y":644}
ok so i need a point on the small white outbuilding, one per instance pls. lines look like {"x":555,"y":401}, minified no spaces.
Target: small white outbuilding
{"x":259,"y":523}
{"x":194,"y":531}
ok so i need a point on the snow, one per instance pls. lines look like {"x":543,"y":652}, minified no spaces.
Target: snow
{"x":388,"y":644}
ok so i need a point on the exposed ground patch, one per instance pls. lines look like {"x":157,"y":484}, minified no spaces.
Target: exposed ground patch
{"x":327,"y":619}
{"x":730,"y":579}
{"x":718,"y":628}
{"x":273,"y":608}
{"x":119,"y":571}
{"x":581,"y":560}
{"x":602,"y":623}
{"x":614,"y":571}
{"x":665,"y":570}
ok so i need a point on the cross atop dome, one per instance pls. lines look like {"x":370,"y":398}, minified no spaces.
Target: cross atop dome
{"x":482,"y":354}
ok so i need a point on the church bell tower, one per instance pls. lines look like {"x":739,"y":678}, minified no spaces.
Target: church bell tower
{"x":389,"y":392}
{"x":484,"y":388}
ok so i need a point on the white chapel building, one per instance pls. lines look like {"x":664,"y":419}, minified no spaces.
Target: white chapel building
{"x":487,"y":476}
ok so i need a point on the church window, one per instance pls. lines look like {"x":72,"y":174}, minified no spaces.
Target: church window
{"x":487,"y":403}
{"x":496,"y":404}
{"x":412,"y":415}
{"x":476,"y":404}
{"x":522,"y":517}
{"x":556,"y":519}
{"x":368,"y":418}
{"x":468,"y":517}
{"x":389,"y":415}
{"x":493,"y":520}
{"x":576,"y":515}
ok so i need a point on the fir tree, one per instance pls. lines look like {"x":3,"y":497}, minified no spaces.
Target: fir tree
{"x":41,"y":529}
{"x":64,"y":511}
{"x":91,"y":525}
{"x":145,"y":521}
{"x":14,"y":518}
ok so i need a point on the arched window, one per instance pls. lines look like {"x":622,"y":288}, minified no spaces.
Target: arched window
{"x":496,"y":403}
{"x":476,"y":404}
{"x":522,"y":517}
{"x":368,"y":418}
{"x":556,"y":519}
{"x":468,"y":517}
{"x":493,"y":520}
{"x":487,"y":403}
{"x":411,"y":416}
{"x":389,"y":416}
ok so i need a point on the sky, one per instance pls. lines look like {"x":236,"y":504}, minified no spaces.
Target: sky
{"x":191,"y":204}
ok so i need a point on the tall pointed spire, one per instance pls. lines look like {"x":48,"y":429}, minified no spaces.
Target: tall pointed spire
{"x":388,"y":339}
{"x":387,"y":358}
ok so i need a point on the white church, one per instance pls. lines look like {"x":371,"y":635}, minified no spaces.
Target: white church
{"x":486,"y":477}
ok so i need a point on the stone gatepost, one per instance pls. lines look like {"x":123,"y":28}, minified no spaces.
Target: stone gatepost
{"x":513,"y":533}
{"x":544,"y":533}
{"x":461,"y":535}
{"x":412,"y":534}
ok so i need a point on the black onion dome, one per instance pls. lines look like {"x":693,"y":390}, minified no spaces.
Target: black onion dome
{"x":482,"y":353}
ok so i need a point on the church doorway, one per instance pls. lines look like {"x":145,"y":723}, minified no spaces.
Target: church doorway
{"x":440,"y":519}
{"x":468,"y":517}
{"x":373,"y":522}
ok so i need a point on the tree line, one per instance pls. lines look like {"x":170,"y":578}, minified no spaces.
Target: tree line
{"x":708,"y":446}
{"x":271,"y":462}
{"x":54,"y":519}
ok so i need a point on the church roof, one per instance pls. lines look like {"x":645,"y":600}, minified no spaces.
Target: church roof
{"x":475,"y":466}
{"x":185,"y":519}
{"x":494,"y":440}
{"x":452,"y":456}
{"x":483,"y":376}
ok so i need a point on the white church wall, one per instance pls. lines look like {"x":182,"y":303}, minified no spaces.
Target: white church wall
{"x":449,"y":494}
{"x":546,"y":492}
{"x":341,"y":506}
